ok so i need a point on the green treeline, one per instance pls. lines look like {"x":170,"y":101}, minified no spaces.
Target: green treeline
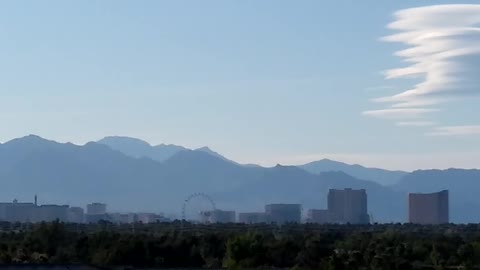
{"x":236,"y":246}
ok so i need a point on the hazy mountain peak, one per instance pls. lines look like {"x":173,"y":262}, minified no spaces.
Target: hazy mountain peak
{"x":381,"y":176}
{"x":30,"y":137}
{"x":123,"y":140}
{"x":30,"y":140}
{"x":168,"y":145}
{"x":334,"y":162}
{"x":206,"y":149}
{"x":137,"y":148}
{"x":169,"y":148}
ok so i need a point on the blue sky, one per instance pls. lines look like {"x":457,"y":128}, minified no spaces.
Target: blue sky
{"x":258,"y":81}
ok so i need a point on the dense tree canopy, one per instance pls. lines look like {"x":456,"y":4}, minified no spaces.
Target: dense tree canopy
{"x":234,"y":246}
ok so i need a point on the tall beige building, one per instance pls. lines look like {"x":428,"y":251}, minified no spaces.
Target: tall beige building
{"x":428,"y":208}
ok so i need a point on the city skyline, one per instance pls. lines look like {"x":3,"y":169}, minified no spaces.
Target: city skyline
{"x":159,"y":178}
{"x":344,"y":206}
{"x":283,"y":82}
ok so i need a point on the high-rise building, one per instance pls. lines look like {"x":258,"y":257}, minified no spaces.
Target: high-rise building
{"x":76,"y":215}
{"x":96,"y":212}
{"x":4,"y":209}
{"x":251,"y":218}
{"x":348,"y":206}
{"x":283,"y":213}
{"x":320,"y":216}
{"x":428,"y":208}
{"x":96,"y":209}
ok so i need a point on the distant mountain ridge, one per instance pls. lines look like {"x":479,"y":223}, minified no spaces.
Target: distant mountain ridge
{"x":138,"y":148}
{"x":78,"y":174}
{"x":384,"y":177}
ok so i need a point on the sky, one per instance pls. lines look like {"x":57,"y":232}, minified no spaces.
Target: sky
{"x":370,"y":82}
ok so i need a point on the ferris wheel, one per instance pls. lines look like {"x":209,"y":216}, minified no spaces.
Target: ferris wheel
{"x":204,"y":204}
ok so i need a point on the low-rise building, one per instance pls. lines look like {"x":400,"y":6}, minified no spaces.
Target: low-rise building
{"x":21,"y":212}
{"x":119,"y":218}
{"x":283,"y":213}
{"x":149,"y":218}
{"x":252,"y":218}
{"x":219,"y":216}
{"x":320,"y":216}
{"x":52,"y":212}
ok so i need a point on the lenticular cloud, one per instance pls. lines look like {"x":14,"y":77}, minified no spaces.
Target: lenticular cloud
{"x":443,"y":51}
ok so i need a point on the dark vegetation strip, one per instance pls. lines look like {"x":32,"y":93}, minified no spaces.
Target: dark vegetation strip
{"x":234,"y":246}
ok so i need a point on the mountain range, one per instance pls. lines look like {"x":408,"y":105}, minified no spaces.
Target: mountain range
{"x":137,"y":148}
{"x":384,"y":177}
{"x":131,"y":175}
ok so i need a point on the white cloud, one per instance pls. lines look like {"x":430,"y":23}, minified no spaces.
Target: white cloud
{"x":455,"y":131}
{"x":416,"y":124}
{"x":443,"y":50}
{"x":409,"y":113}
